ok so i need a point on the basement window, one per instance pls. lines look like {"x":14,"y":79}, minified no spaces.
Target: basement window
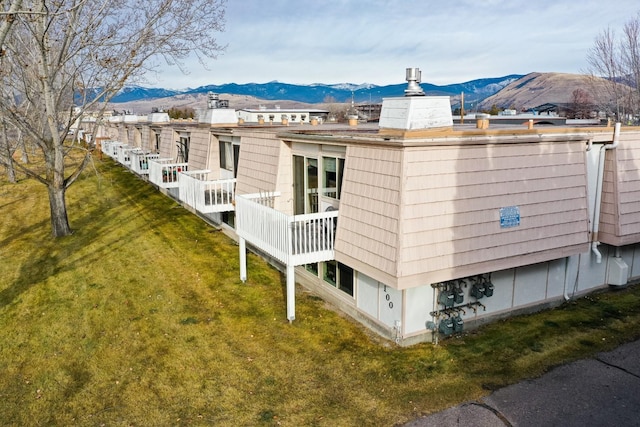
{"x":339,"y":275}
{"x":312,"y":268}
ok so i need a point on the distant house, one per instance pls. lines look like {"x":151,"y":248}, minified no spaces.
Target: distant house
{"x":277,"y":115}
{"x":370,"y":111}
{"x":569,"y":110}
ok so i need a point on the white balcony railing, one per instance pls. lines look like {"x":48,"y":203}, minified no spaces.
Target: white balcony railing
{"x":110,"y":148}
{"x":165,"y":173}
{"x":206,"y":195}
{"x":291,"y":239}
{"x":124,"y":154}
{"x":105,"y":146}
{"x":140,"y":161}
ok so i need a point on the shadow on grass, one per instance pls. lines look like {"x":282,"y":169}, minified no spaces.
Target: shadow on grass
{"x":31,"y":273}
{"x":101,"y":223}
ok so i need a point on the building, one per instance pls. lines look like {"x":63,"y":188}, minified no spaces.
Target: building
{"x":415,"y":227}
{"x":279,"y":115}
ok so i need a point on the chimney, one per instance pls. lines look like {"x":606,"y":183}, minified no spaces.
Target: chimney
{"x":414,"y":78}
{"x":482,"y":121}
{"x":415,"y":112}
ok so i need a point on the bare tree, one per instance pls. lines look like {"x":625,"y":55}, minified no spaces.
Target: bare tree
{"x":631,"y":59}
{"x":6,"y":152}
{"x":580,"y":104}
{"x":8,"y":14}
{"x":603,"y":60}
{"x":618,"y":62}
{"x":64,"y":57}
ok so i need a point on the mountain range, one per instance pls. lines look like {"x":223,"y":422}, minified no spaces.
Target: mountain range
{"x":321,"y":93}
{"x":521,"y":92}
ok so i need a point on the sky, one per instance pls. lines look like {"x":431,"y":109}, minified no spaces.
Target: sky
{"x":374,"y":41}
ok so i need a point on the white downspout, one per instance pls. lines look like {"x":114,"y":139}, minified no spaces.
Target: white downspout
{"x":566,"y":272}
{"x":596,"y":213}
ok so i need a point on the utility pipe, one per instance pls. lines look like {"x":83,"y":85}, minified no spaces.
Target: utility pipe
{"x":596,"y":214}
{"x":566,"y":272}
{"x":565,"y":289}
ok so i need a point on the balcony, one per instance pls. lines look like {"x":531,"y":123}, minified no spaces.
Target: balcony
{"x":198,"y":190}
{"x":291,"y":239}
{"x":124,"y":154}
{"x":140,"y":161}
{"x":165,"y":173}
{"x":110,"y":148}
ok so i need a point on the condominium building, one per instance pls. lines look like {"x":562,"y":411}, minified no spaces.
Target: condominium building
{"x":413,"y":226}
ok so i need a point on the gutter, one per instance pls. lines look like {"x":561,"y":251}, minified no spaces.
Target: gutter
{"x":596,"y":214}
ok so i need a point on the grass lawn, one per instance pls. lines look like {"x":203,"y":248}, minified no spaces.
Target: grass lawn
{"x":139,"y":318}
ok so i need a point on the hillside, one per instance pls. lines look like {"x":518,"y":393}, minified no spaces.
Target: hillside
{"x":199,"y":100}
{"x":141,"y":100}
{"x":513,"y":91}
{"x":536,"y":89}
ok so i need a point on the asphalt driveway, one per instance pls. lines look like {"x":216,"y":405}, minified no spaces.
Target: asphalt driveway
{"x":601,"y":391}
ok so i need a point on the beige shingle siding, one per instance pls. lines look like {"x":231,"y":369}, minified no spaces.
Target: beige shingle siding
{"x":439,"y":219}
{"x":370,"y":208}
{"x":199,"y":142}
{"x":122,"y":134}
{"x":137,"y":137}
{"x":620,"y":207}
{"x":460,"y":191}
{"x":284,"y":179}
{"x":167,"y":143}
{"x":131,"y":136}
{"x":259,"y":163}
{"x":145,"y":138}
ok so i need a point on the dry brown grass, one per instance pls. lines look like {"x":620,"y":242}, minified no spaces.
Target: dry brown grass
{"x":139,"y":318}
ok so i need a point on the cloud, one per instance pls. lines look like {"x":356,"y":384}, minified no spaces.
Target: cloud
{"x":339,"y":41}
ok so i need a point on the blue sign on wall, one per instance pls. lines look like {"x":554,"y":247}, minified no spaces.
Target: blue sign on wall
{"x":509,"y":216}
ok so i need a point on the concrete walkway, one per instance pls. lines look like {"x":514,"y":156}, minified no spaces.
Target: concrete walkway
{"x":602,"y":391}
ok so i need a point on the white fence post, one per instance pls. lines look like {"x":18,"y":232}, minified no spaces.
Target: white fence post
{"x":243,"y":259}
{"x":291,"y":292}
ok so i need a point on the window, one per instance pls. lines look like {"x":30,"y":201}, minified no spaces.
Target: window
{"x":236,"y":158}
{"x":312,"y":184}
{"x":183,"y":148}
{"x":339,"y":276}
{"x":229,"y":218}
{"x":226,"y":156}
{"x":312,"y":268}
{"x":157,"y":135}
{"x":333,"y":169}
{"x":305,"y":182}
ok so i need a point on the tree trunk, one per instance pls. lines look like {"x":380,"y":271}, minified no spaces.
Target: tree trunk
{"x":59,"y":220}
{"x":11,"y":172}
{"x":6,"y":153}
{"x":24,"y":157}
{"x":57,"y":189}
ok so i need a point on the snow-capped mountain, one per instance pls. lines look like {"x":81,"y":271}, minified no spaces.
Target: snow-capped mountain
{"x":317,"y":93}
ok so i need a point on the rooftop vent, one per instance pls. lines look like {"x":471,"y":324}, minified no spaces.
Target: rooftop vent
{"x":415,"y":111}
{"x":213,"y":100}
{"x":414,"y":76}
